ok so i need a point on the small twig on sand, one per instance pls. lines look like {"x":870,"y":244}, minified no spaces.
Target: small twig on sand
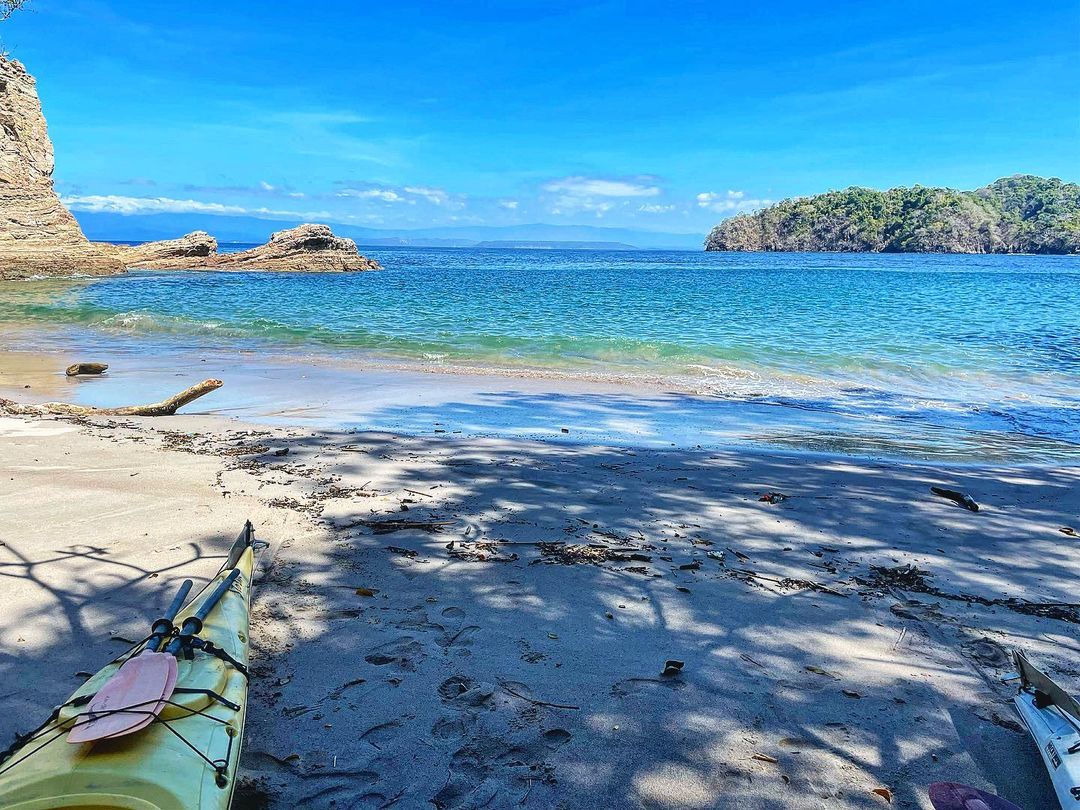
{"x":537,"y":702}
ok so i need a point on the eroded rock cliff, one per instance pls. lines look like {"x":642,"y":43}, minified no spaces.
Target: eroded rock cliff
{"x":38,"y":235}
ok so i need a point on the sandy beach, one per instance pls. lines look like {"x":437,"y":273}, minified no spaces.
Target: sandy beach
{"x":484,"y":622}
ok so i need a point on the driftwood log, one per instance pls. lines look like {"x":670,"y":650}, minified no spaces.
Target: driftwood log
{"x":167,"y":407}
{"x":76,"y":369}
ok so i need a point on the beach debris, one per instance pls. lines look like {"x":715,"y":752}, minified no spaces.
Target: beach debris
{"x":672,"y":667}
{"x":1069,"y":531}
{"x":851,"y":693}
{"x":391,"y":526}
{"x":773,"y":497}
{"x":368,"y":592}
{"x":478,"y":551}
{"x":404,"y":552}
{"x":564,"y":430}
{"x":694,"y":566}
{"x":284,"y":451}
{"x":750,"y":660}
{"x":609,"y":616}
{"x":76,"y":369}
{"x":557,"y":553}
{"x":912,"y":578}
{"x":884,"y":793}
{"x":819,"y":671}
{"x":167,"y":407}
{"x":765,"y":758}
{"x":959,"y":498}
{"x":505,"y":685}
{"x":785,"y":583}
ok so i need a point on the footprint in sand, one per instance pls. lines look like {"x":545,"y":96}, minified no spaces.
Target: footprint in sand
{"x":462,"y":638}
{"x":465,"y":693}
{"x":448,"y":729}
{"x":405,"y":652}
{"x":378,"y":735}
{"x":453,"y":613}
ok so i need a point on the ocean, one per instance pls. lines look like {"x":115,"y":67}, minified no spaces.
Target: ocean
{"x":966,"y":357}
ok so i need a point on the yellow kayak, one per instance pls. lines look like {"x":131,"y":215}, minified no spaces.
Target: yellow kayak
{"x":187,"y":757}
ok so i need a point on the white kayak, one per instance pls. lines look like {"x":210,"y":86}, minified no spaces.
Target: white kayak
{"x":1052,"y":716}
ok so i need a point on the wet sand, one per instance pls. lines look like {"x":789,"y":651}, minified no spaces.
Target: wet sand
{"x":483,"y":622}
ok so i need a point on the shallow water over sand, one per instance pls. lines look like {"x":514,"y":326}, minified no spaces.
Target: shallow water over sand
{"x":955,"y":356}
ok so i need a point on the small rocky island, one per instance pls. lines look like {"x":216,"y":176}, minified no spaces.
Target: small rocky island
{"x":1019,"y":214}
{"x":40,"y":237}
{"x":305,"y":248}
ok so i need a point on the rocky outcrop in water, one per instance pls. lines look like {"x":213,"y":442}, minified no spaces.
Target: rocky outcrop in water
{"x":305,"y":248}
{"x":312,"y":248}
{"x":1020,"y":214}
{"x":38,"y":235}
{"x":191,"y":250}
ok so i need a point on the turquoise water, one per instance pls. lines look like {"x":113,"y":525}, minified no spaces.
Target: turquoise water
{"x":985,"y":343}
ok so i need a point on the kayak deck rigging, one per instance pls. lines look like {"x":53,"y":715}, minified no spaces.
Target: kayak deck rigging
{"x":141,"y":757}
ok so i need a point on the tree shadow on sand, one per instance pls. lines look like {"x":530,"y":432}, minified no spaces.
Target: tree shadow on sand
{"x":392,"y":670}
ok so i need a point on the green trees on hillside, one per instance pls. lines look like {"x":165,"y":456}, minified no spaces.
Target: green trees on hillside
{"x":1021,"y":214}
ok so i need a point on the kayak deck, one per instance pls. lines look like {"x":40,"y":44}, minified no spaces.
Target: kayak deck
{"x":186,"y":758}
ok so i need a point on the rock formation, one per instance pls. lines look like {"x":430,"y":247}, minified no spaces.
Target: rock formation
{"x":191,"y":250}
{"x":305,"y":248}
{"x":1020,"y":214}
{"x":311,"y":248}
{"x":38,"y":235}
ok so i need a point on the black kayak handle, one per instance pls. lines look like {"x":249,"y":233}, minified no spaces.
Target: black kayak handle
{"x":193,"y":624}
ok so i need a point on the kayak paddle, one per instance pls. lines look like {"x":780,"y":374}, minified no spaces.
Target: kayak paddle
{"x":137,"y":692}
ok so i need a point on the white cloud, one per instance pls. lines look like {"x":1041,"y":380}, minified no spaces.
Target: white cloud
{"x":655,"y":209}
{"x":266,"y":186}
{"x":383,"y":194}
{"x":598,"y":187}
{"x":596,"y":195}
{"x":410,"y":195}
{"x":435,"y":196}
{"x":116,"y":204}
{"x":728,"y":201}
{"x":509,"y":205}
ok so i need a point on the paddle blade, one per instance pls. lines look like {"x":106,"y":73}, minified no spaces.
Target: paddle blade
{"x":954,"y":796}
{"x":129,"y":700}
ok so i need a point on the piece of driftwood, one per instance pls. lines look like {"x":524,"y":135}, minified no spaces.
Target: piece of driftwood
{"x":959,"y":498}
{"x":167,"y":407}
{"x":75,"y":369}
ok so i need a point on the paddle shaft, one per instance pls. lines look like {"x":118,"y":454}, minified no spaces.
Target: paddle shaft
{"x":193,"y":624}
{"x":163,"y":626}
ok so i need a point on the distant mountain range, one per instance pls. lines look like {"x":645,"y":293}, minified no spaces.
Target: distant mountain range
{"x":111,"y":227}
{"x":1019,"y":214}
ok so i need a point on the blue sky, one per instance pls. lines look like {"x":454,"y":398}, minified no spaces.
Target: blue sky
{"x":655,"y":116}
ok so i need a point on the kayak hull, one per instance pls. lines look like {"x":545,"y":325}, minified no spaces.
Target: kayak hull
{"x":162,"y":766}
{"x":1052,"y":717}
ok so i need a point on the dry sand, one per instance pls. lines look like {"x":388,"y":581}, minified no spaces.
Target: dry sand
{"x":506,"y":672}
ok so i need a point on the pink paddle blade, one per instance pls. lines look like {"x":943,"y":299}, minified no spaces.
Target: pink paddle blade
{"x":954,"y":796}
{"x":129,"y":700}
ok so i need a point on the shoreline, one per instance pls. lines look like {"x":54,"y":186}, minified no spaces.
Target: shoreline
{"x":332,"y":391}
{"x":523,"y":586}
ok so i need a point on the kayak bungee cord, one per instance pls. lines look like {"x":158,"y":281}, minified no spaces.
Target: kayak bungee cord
{"x":135,"y":723}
